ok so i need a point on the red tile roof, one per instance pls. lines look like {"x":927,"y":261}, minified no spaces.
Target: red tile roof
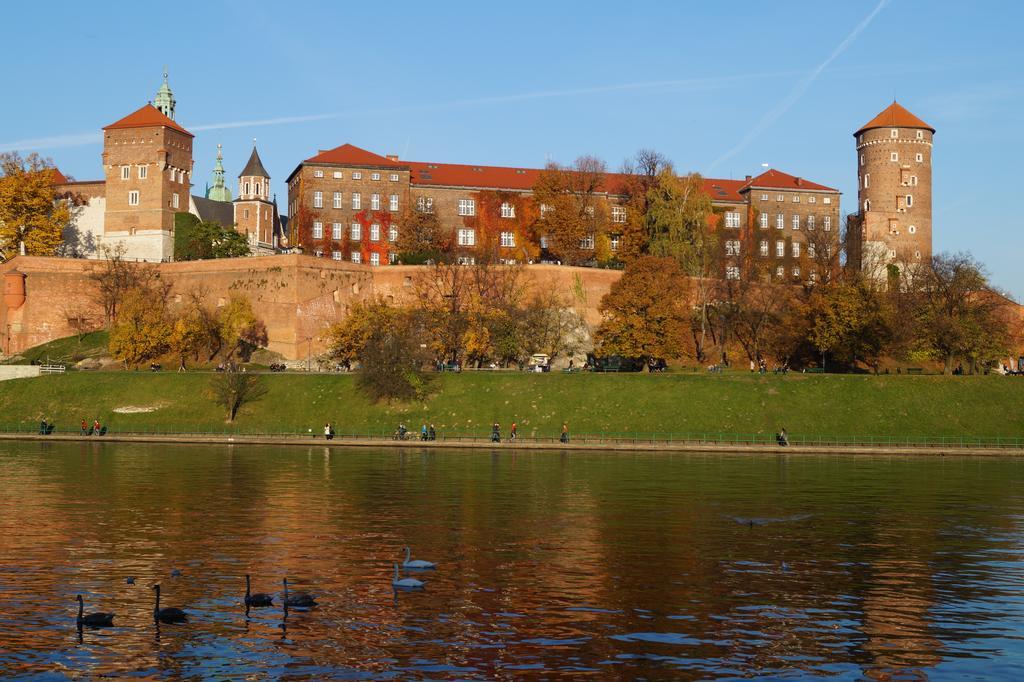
{"x":145,"y":117}
{"x":351,"y":155}
{"x":58,"y":177}
{"x":895,"y":116}
{"x":774,"y":179}
{"x":425,"y":173}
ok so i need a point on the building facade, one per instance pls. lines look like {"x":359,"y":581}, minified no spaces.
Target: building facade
{"x":347,"y":204}
{"x":147,"y":164}
{"x":893,"y":223}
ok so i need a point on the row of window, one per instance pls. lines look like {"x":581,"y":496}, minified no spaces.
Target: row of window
{"x":906,"y":179}
{"x":355,"y":231}
{"x":732,"y":248}
{"x":796,"y":198}
{"x":733,"y":272}
{"x":810,"y":222}
{"x":357,"y":201}
{"x":895,"y":156}
{"x":356,"y":175}
{"x":903,"y":202}
{"x":176,"y":174}
{"x":134,"y":197}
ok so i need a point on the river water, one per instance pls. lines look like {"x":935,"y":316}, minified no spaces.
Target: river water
{"x":550,"y":565}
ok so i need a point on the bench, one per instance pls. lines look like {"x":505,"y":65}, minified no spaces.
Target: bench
{"x":815,"y":370}
{"x":52,"y":369}
{"x":915,"y":370}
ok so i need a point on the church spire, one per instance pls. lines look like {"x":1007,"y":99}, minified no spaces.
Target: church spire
{"x":219,"y":191}
{"x":165,"y":98}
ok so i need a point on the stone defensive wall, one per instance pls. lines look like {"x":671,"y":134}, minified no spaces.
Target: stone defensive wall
{"x":295,"y":296}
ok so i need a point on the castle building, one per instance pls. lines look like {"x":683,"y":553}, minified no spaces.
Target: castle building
{"x":893,"y":223}
{"x":147,"y":163}
{"x":346,"y":203}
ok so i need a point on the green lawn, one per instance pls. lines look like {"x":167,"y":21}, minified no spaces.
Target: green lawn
{"x":66,"y":351}
{"x":829,"y":405}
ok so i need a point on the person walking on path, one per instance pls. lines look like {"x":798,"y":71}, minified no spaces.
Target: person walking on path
{"x":85,"y":428}
{"x":512,"y":432}
{"x":423,"y":432}
{"x":565,"y":432}
{"x":432,"y":433}
{"x":495,"y":433}
{"x":783,"y":438}
{"x":328,"y":431}
{"x":96,"y":427}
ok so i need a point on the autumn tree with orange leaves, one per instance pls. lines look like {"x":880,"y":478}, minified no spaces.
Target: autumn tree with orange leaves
{"x":572,"y":209}
{"x":29,"y":211}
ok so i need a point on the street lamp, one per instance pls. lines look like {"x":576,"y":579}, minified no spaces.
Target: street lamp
{"x":309,"y":352}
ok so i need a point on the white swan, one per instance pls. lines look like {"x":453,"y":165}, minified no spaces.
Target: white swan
{"x":407,"y":584}
{"x":416,"y":564}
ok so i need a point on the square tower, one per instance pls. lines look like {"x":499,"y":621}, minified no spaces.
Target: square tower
{"x":147,"y":160}
{"x":893,"y":223}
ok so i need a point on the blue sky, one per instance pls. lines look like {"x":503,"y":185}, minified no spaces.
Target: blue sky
{"x":718,"y":88}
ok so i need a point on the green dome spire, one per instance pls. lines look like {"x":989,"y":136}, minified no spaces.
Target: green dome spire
{"x":219,"y":191}
{"x":164,"y":100}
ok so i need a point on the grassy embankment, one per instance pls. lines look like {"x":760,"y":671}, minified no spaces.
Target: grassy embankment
{"x":827,"y":405}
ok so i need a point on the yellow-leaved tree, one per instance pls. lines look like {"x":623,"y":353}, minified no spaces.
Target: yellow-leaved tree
{"x":30,"y":213}
{"x":142,"y":330}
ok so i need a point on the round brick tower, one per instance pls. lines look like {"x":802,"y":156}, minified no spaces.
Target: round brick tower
{"x":894,"y":173}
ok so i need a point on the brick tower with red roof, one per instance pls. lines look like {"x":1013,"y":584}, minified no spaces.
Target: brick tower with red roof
{"x":147,"y":160}
{"x":893,"y":224}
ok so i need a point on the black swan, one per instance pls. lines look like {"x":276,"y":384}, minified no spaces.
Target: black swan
{"x":299,"y":599}
{"x":168,"y":614}
{"x":258,"y":599}
{"x":93,"y":620}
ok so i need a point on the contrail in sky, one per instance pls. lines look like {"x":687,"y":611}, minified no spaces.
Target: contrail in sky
{"x":798,"y":91}
{"x":79,"y":139}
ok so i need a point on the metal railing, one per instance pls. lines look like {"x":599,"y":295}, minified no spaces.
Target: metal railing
{"x":385,"y":436}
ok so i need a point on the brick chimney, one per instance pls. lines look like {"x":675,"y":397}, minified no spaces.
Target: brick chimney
{"x":392,"y":157}
{"x":799,"y":182}
{"x":749,"y":178}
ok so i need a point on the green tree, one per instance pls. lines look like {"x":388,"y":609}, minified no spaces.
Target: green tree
{"x":349,"y":338}
{"x":391,"y":363}
{"x":959,"y":316}
{"x":30,"y":213}
{"x":212,"y":240}
{"x":646,"y":312}
{"x":851,"y":321}
{"x":240,"y":331}
{"x":421,"y":237}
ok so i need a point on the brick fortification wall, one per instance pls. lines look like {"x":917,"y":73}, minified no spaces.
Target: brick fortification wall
{"x":295,"y":296}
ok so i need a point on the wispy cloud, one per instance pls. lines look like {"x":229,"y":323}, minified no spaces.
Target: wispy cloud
{"x":801,"y":87}
{"x":689,"y":84}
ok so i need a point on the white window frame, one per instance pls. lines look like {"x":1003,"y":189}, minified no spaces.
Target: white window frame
{"x":143,"y":172}
{"x":894,"y":133}
{"x":175,"y":200}
{"x":318,"y":173}
{"x":826,"y":200}
{"x":393,"y":234}
{"x":375,"y":259}
{"x":356,"y":175}
{"x":732,"y":272}
{"x":780,"y":197}
{"x":425,"y":204}
{"x":393,"y":203}
{"x":810,"y":222}
{"x":337,"y":175}
{"x":335,"y":255}
{"x":355,"y":232}
{"x":763,"y":221}
{"x":318,"y":229}
{"x":374,"y":232}
{"x":134,"y":197}
{"x":732,"y":219}
{"x":810,"y":249}
{"x":826,"y":223}
{"x":920,"y":134}
{"x":375,"y":176}
{"x":894,"y":156}
{"x":909,"y":199}
{"x":618,"y":214}
{"x":795,"y":248}
{"x":508,"y":239}
{"x":467,"y":237}
{"x":919,"y":158}
{"x":374,"y":202}
{"x":338,"y":200}
{"x":126,"y":172}
{"x":763,"y":248}
{"x":796,"y":271}
{"x":732,"y":247}
{"x":355,"y":257}
{"x":614,"y":241}
{"x":467,"y":207}
{"x":780,"y":221}
{"x":796,"y":221}
{"x":587,"y":242}
{"x":764,"y":197}
{"x":393,"y":177}
{"x":318,"y":199}
{"x":508,"y":210}
{"x":357,"y":201}
{"x":336,"y":231}
{"x":867,"y":180}
{"x":912,"y":229}
{"x":780,"y":248}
